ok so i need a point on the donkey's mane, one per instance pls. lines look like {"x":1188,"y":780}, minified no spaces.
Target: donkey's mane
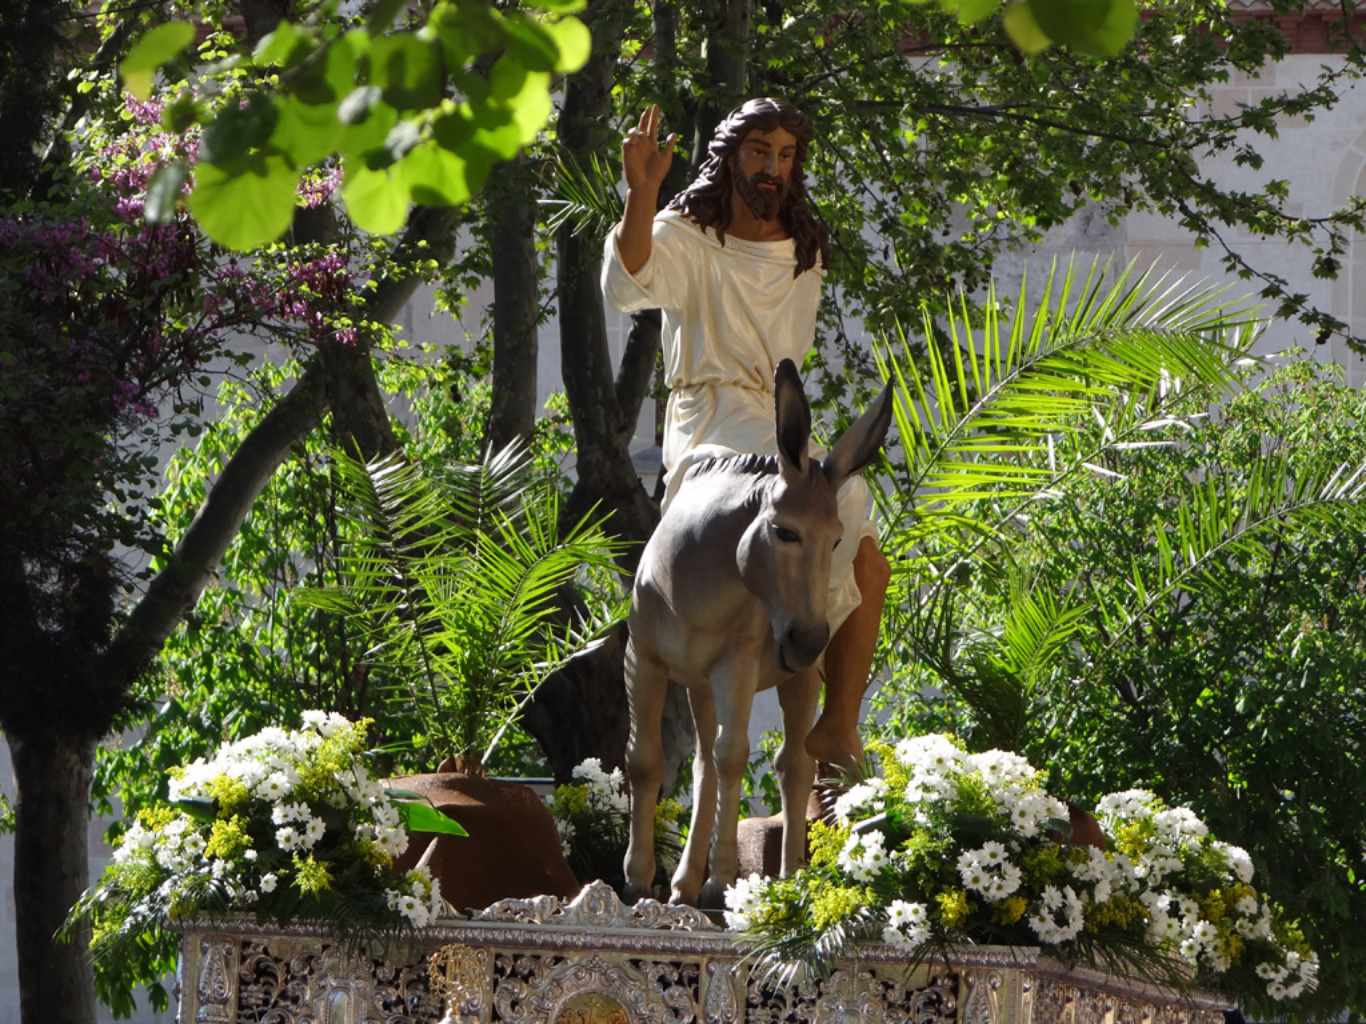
{"x":745,"y":462}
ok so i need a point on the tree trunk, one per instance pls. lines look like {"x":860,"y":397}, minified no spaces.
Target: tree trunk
{"x":606,"y":476}
{"x":512,"y":242}
{"x":51,"y":865}
{"x":728,"y":41}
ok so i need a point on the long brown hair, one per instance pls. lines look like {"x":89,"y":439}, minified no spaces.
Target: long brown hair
{"x":708,"y":199}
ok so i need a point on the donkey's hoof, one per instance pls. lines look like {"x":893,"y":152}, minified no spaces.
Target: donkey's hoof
{"x":713,"y":896}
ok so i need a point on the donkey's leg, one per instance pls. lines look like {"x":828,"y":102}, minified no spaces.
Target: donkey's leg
{"x":646,"y":686}
{"x":796,"y":768}
{"x":733,"y":690}
{"x":692,"y":865}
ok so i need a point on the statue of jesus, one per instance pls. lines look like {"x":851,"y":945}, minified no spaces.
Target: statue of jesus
{"x":735,"y":264}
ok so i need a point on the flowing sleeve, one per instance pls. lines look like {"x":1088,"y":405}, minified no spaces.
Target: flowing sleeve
{"x":662,"y":283}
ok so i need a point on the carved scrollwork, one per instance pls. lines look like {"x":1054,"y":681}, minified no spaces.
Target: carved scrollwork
{"x":546,"y":990}
{"x":216,"y":986}
{"x":463,"y":977}
{"x":597,"y":906}
{"x":721,"y":1005}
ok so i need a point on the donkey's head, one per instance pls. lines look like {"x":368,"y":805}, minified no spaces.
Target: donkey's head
{"x":784,"y":555}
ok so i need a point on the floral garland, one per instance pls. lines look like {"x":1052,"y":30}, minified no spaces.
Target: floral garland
{"x":286,"y":823}
{"x":950,"y":847}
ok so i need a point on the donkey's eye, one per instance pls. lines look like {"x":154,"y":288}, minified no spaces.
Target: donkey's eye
{"x":786,"y":536}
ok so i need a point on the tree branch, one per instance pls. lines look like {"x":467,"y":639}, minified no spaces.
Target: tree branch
{"x":178,"y":585}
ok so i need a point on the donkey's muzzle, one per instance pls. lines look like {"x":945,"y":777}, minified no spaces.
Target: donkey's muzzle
{"x":802,"y":645}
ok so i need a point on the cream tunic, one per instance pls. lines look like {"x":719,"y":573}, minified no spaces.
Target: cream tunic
{"x":731,"y":313}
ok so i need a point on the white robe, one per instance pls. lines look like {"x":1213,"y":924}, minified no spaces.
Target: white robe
{"x":731,"y":313}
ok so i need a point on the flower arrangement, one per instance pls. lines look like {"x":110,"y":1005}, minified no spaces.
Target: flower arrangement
{"x":948,"y":847}
{"x":286,"y":823}
{"x":593,"y":819}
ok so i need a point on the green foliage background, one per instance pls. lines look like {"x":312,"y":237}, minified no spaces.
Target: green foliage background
{"x":1237,"y":692}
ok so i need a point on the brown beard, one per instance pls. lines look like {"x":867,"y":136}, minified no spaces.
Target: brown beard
{"x":764,"y":205}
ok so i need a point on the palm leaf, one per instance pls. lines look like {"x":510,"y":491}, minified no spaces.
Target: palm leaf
{"x":1212,"y":523}
{"x":455,"y":586}
{"x":1002,"y":389}
{"x":584,"y":198}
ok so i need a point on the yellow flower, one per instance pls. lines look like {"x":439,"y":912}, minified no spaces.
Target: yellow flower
{"x":229,"y":793}
{"x":154,"y":819}
{"x":826,"y":841}
{"x":1119,"y":911}
{"x":837,"y":903}
{"x":310,"y":877}
{"x":953,"y":908}
{"x":228,"y":838}
{"x":1010,"y":910}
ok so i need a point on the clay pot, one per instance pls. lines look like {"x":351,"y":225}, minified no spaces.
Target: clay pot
{"x":759,"y":841}
{"x":512,"y":850}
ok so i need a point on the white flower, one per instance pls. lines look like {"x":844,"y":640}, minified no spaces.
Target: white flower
{"x":863,"y":856}
{"x":1238,"y":861}
{"x":283,"y":814}
{"x":1058,"y":915}
{"x":935,"y":751}
{"x":313,"y":831}
{"x":743,"y":898}
{"x":273,"y":786}
{"x":907,"y":924}
{"x":288,"y":838}
{"x":327,"y":723}
{"x":269,"y":882}
{"x":868,"y":797}
{"x":988,"y":872}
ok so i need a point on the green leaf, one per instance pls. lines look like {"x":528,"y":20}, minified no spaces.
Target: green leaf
{"x":163,"y":192}
{"x":560,"y":6}
{"x":421,"y":817}
{"x":383,"y":15}
{"x":530,"y":42}
{"x":1115,"y":32}
{"x":574,"y":42}
{"x":305,"y":132}
{"x":1100,"y":28}
{"x":181,"y":113}
{"x":236,"y":130}
{"x":408,"y":70}
{"x":198,"y":808}
{"x":248,"y":208}
{"x":970,"y":12}
{"x":151,"y":51}
{"x":1023,"y":30}
{"x":498,"y":131}
{"x":376,"y":200}
{"x":436,"y":176}
{"x":285,"y":46}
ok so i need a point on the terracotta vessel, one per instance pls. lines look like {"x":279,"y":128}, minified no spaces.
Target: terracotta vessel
{"x":512,"y":850}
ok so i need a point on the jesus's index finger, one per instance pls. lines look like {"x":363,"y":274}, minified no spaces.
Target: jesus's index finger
{"x":644,"y":123}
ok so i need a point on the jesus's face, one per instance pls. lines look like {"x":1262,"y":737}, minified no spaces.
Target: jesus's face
{"x":762,"y":169}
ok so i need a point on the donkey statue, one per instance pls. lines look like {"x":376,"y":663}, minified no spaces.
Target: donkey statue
{"x":730,"y":599}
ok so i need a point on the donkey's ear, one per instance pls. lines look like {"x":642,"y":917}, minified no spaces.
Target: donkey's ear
{"x":857,"y":445}
{"x":793,"y":415}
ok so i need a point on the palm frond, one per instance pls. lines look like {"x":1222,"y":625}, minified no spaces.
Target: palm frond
{"x":456,"y":586}
{"x":1213,"y":522}
{"x":584,"y":198}
{"x":988,"y":398}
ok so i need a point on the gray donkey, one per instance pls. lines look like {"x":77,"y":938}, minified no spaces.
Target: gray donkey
{"x":730,"y":599}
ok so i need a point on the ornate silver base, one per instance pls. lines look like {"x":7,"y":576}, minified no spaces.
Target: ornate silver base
{"x":595,"y":961}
